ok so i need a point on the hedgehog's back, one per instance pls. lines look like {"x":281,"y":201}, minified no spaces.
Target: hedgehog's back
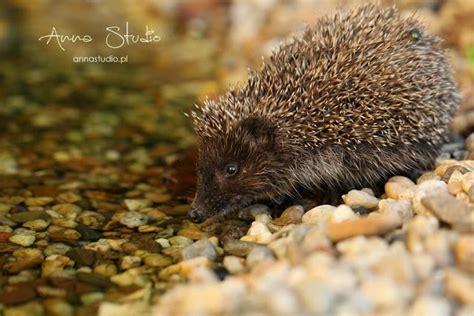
{"x":367,"y":76}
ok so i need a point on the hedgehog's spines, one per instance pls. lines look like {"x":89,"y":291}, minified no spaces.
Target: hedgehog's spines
{"x":366,"y":78}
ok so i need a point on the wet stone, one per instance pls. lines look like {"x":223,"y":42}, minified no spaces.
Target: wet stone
{"x":134,"y":219}
{"x":25,"y":259}
{"x":201,"y":247}
{"x":192,"y":233}
{"x":238,"y":247}
{"x":137,"y":204}
{"x":37,"y":224}
{"x":38,"y":201}
{"x":22,"y":240}
{"x":157,"y":260}
{"x":83,"y":257}
{"x":19,"y":293}
{"x":23,"y":217}
{"x":94,"y":279}
{"x":128,"y":262}
{"x":56,"y":249}
{"x":88,"y":233}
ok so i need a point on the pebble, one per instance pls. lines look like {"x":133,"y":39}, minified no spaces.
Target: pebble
{"x":184,"y":268}
{"x":180,"y":241}
{"x":157,"y":260}
{"x":58,"y":307}
{"x":430,"y":305}
{"x":383,"y":292}
{"x":178,"y":210}
{"x":82,"y":257}
{"x":467,"y":181}
{"x":291,"y":215}
{"x":23,"y":217}
{"x":427,"y":188}
{"x":51,"y":266}
{"x":342,"y":213}
{"x":137,"y":204}
{"x":87,"y":233}
{"x":22,"y":240}
{"x":36,"y":224}
{"x":259,"y":254}
{"x":464,"y":252}
{"x":318,"y":215}
{"x":90,"y":298}
{"x":401,"y":208}
{"x":38,"y":201}
{"x":26,"y":258}
{"x":396,"y":185}
{"x":192,"y":233}
{"x":447,"y":208}
{"x":251,"y":212}
{"x":258,"y":233}
{"x":200,"y":248}
{"x":233,"y":264}
{"x":134,"y":219}
{"x":360,"y":198}
{"x":128,"y":262}
{"x":239,"y":248}
{"x":367,"y":226}
{"x":91,"y":219}
{"x":58,"y":233}
{"x":56,"y":249}
{"x":459,"y":285}
{"x":106,"y":269}
{"x":163,"y":242}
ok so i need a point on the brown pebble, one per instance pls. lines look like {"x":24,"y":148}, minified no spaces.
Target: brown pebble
{"x":19,"y":293}
{"x":464,"y":252}
{"x":459,"y":285}
{"x":238,"y":248}
{"x":83,"y":257}
{"x":447,"y":208}
{"x":291,"y":215}
{"x":192,"y":233}
{"x":367,"y":226}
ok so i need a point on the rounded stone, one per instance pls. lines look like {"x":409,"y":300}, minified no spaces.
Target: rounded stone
{"x":157,"y":260}
{"x":201,"y":248}
{"x":319,"y":214}
{"x":22,"y":240}
{"x":360,"y":198}
{"x":134,"y":219}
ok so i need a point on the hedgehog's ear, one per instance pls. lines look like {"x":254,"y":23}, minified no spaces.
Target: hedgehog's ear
{"x":259,"y":131}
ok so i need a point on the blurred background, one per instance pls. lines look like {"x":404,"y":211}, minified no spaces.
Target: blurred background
{"x":94,"y":140}
{"x":55,"y":111}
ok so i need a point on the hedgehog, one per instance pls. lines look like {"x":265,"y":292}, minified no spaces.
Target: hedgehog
{"x":361,"y":96}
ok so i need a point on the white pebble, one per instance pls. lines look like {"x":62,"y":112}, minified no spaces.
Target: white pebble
{"x":260,"y":233}
{"x":342,"y":213}
{"x":134,"y":219}
{"x":319,"y":214}
{"x":430,"y":306}
{"x":360,"y":198}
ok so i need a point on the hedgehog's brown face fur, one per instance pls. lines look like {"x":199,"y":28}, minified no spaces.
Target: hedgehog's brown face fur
{"x":235,"y":169}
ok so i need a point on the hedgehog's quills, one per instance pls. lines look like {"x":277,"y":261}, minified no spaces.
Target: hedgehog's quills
{"x":361,"y":96}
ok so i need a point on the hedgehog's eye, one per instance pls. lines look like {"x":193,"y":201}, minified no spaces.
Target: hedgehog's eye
{"x":415,"y":34}
{"x":231,"y":169}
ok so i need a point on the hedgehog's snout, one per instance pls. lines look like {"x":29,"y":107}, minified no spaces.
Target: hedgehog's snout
{"x":197,"y":215}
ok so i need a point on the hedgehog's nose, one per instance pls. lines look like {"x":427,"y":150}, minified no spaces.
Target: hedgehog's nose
{"x":196,"y":216}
